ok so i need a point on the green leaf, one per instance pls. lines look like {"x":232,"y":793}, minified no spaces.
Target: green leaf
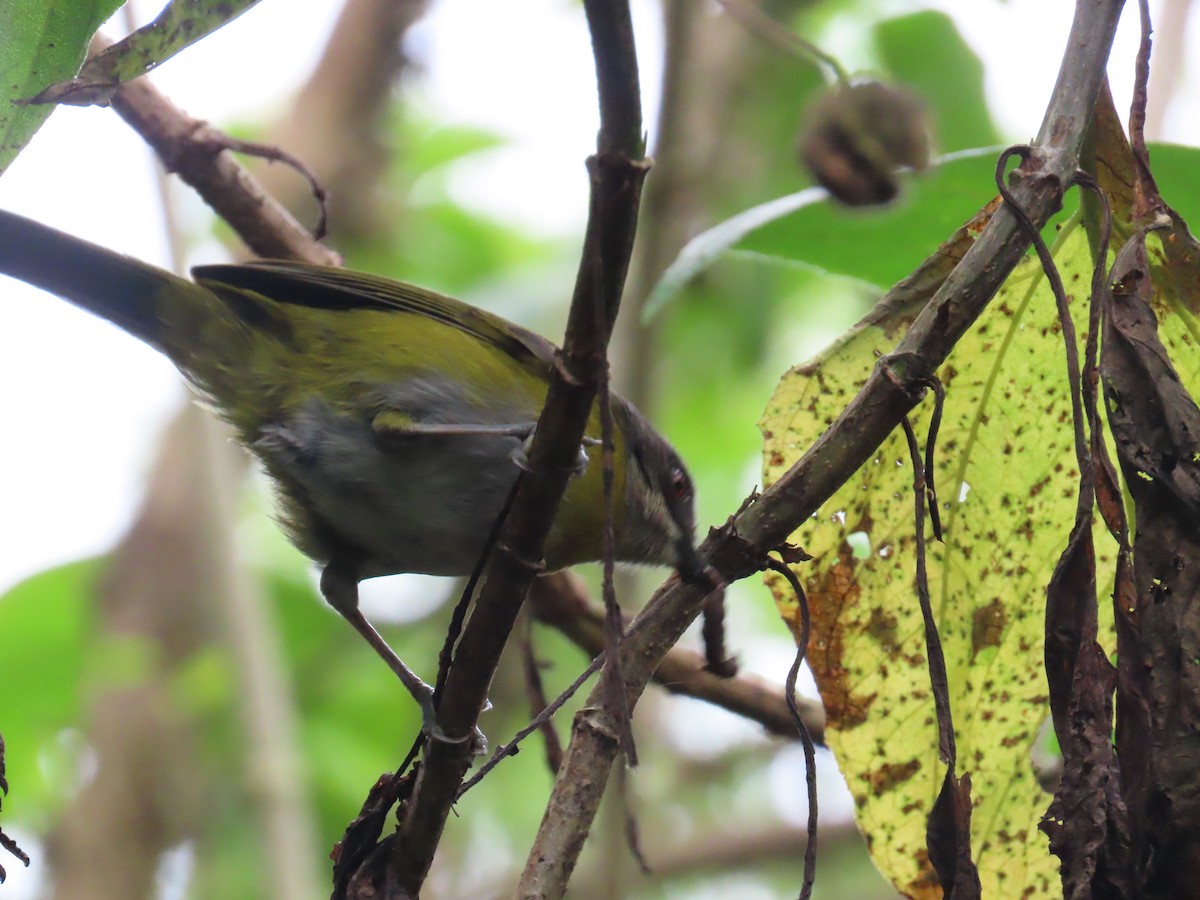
{"x":1175,"y":168}
{"x":883,"y":245}
{"x":41,"y":42}
{"x":429,"y":145}
{"x":44,"y":624}
{"x":880,"y":246}
{"x":925,"y":51}
{"x":180,"y":24}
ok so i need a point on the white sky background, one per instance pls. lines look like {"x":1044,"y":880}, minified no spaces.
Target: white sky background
{"x":82,"y":404}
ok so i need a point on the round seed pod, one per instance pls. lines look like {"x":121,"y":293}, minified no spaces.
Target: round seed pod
{"x":855,"y":137}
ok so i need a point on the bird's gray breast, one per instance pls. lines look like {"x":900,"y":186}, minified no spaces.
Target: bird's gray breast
{"x":402,"y":500}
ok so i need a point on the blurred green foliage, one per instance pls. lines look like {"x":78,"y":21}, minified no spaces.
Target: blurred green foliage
{"x":722,"y":342}
{"x":771,"y":298}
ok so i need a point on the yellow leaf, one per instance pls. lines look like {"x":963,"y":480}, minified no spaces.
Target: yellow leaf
{"x":1007,"y":483}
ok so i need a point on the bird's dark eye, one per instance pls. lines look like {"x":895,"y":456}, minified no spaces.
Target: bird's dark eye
{"x":680,"y":485}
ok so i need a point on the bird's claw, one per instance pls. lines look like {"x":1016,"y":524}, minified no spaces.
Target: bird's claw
{"x":430,"y":726}
{"x":520,"y":456}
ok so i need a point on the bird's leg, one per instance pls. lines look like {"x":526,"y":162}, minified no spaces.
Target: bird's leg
{"x":520,"y":455}
{"x":341,"y":592}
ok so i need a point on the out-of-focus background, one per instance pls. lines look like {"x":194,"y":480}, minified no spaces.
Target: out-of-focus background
{"x":470,"y":180}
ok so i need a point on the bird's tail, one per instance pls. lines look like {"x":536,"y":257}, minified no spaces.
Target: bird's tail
{"x":126,"y":291}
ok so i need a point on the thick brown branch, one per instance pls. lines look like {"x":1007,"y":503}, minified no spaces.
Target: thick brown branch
{"x":616,"y":172}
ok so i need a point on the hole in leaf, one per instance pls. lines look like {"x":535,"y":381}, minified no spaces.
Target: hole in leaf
{"x":860,"y":543}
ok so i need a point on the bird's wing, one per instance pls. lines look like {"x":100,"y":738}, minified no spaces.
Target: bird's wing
{"x":326,"y":287}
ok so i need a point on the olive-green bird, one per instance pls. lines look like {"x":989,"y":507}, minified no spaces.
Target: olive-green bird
{"x":387,"y":416}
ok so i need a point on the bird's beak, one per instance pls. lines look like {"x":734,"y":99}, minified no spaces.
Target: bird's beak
{"x":691,"y":566}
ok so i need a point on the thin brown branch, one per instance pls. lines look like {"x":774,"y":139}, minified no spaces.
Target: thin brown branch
{"x":614,"y":621}
{"x":716,"y":657}
{"x":741,"y":844}
{"x":751,"y":846}
{"x":538,"y":702}
{"x":735,"y":551}
{"x":806,"y":741}
{"x":6,"y":843}
{"x":561,"y":601}
{"x":948,"y":828}
{"x":184,"y":145}
{"x":539,"y":721}
{"x":617,"y":172}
